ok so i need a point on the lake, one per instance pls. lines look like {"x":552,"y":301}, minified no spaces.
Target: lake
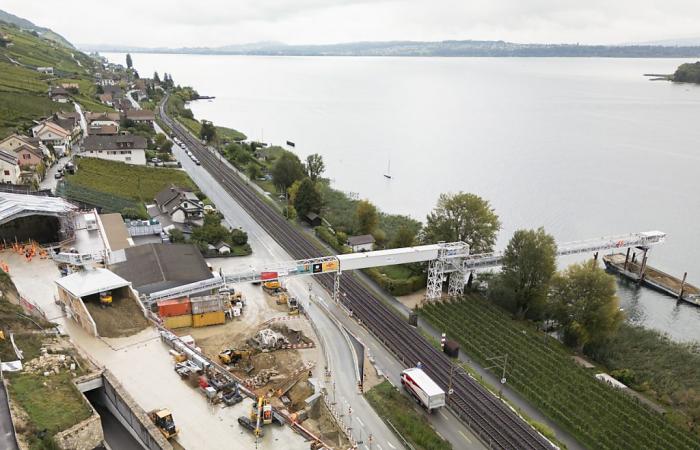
{"x":584,"y":147}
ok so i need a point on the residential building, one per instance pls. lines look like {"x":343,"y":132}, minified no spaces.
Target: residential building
{"x":128,"y":148}
{"x":362,"y":243}
{"x":59,"y":94}
{"x":45,"y":70}
{"x":105,"y":118}
{"x":9,"y":168}
{"x":28,"y":151}
{"x":103,"y":130}
{"x":51,"y":133}
{"x":181,"y":204}
{"x":29,"y":156}
{"x":140,"y":116}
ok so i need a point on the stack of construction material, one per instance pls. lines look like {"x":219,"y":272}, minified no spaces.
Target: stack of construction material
{"x":207,"y":310}
{"x":176,"y":313}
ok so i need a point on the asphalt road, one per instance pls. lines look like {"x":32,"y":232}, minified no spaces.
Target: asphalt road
{"x":329,"y":318}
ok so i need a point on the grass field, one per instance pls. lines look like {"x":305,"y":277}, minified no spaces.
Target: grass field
{"x":138,"y":183}
{"x":52,"y":403}
{"x":404,"y":414}
{"x":543,"y":371}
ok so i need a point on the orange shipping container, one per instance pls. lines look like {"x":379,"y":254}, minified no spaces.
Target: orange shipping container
{"x":209,"y":318}
{"x":174,"y":307}
{"x":173,"y":322}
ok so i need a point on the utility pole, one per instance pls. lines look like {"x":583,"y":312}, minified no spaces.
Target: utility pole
{"x":502,"y":363}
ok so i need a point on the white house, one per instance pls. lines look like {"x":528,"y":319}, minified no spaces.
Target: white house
{"x":9,"y":168}
{"x":362,"y":243}
{"x":128,"y":148}
{"x":51,"y":133}
{"x":181,"y":204}
{"x":45,"y":70}
{"x":223,"y":248}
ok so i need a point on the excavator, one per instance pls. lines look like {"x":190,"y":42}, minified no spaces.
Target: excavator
{"x":260,"y":414}
{"x":230,"y":357}
{"x":105,"y":298}
{"x":163,"y":419}
{"x":273,"y":287}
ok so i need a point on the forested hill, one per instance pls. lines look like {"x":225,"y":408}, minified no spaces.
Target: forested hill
{"x":688,"y":73}
{"x":441,"y":48}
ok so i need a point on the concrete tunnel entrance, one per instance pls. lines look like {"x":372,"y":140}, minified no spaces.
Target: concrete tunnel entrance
{"x":124,"y":424}
{"x":116,"y":434}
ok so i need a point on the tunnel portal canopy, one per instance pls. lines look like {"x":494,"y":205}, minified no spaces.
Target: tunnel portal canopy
{"x":50,"y":221}
{"x":15,"y":206}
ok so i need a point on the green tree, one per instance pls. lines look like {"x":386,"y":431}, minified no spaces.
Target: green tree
{"x":166,"y":147}
{"x":583,"y":300}
{"x":528,"y":267}
{"x":253,"y":170}
{"x":367,"y":217}
{"x":463,"y":217}
{"x":160,"y":139}
{"x":208,"y":131}
{"x":156,"y":78}
{"x":238,"y":237}
{"x":405,"y":237}
{"x":292,"y":191}
{"x":307,"y":198}
{"x":314,"y":166}
{"x":129,"y":63}
{"x":176,"y":236}
{"x":287,"y":169}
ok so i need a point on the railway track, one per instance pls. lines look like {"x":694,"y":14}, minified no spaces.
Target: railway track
{"x":492,"y":420}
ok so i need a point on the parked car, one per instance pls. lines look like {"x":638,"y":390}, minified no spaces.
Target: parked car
{"x":196,"y":161}
{"x":58,"y":175}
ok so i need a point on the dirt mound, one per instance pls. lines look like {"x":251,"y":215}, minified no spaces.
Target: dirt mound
{"x":122,"y":318}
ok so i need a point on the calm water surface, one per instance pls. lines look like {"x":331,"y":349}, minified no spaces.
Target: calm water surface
{"x":583,"y":147}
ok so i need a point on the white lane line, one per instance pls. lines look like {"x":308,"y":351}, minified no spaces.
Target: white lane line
{"x":360,"y":422}
{"x":391,"y":445}
{"x":444,"y":416}
{"x":379,"y":447}
{"x":464,"y":436}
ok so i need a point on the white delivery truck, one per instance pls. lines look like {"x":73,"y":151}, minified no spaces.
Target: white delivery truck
{"x":423,"y":388}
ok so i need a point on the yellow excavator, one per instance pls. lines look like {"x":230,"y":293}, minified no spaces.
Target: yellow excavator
{"x":273,"y":287}
{"x":260,"y":414}
{"x":233,"y":356}
{"x":106,"y":298}
{"x":163,"y":419}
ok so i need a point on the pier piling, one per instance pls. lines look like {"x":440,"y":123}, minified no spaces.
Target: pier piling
{"x":680,"y":292}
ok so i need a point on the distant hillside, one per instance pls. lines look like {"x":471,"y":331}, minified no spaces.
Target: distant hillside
{"x":24,"y":90}
{"x":28,"y":25}
{"x":687,"y":73}
{"x":443,"y":48}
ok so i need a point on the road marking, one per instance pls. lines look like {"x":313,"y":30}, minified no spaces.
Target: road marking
{"x":444,"y":415}
{"x":464,"y":436}
{"x":379,"y":447}
{"x":360,"y":422}
{"x":391,"y":445}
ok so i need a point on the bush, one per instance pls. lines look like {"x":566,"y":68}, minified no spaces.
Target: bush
{"x":397,"y":287}
{"x":327,"y":236}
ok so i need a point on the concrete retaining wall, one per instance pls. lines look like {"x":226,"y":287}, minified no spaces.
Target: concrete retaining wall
{"x":132,"y":416}
{"x":85,"y":435}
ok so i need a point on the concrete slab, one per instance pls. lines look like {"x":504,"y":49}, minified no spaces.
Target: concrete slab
{"x":144,"y":367}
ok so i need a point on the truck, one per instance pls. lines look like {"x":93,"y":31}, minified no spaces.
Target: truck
{"x":423,"y":388}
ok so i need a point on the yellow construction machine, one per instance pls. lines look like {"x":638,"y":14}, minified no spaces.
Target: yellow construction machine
{"x":233,"y":356}
{"x":260,"y":414}
{"x":273,"y":287}
{"x":106,"y":298}
{"x":163,"y":419}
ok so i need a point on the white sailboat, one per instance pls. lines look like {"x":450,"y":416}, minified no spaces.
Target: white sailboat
{"x":387,"y":175}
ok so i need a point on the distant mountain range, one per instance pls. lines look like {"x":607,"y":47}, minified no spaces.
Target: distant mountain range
{"x":422,"y":48}
{"x":28,"y":25}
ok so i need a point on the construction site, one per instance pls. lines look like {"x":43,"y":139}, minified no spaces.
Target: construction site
{"x":248,"y":355}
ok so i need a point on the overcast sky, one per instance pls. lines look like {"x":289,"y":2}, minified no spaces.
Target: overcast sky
{"x":176,"y":23}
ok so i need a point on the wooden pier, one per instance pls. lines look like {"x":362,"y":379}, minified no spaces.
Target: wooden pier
{"x":640,"y":272}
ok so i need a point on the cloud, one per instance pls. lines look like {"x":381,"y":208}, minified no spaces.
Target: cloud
{"x":178,"y":23}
